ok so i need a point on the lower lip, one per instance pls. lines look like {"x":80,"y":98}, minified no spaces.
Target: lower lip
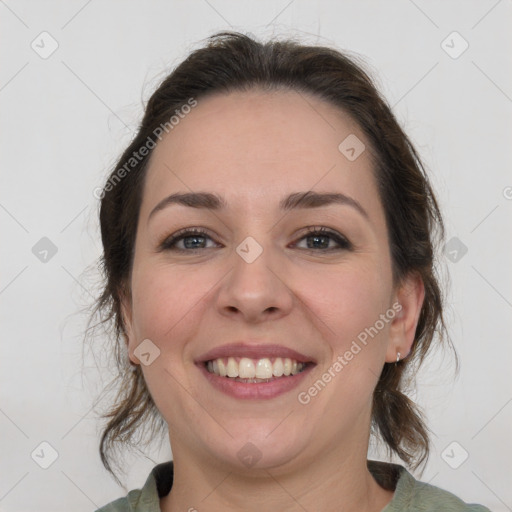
{"x":255,"y":391}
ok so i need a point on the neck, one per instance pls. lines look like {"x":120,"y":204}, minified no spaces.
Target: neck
{"x":328,"y":482}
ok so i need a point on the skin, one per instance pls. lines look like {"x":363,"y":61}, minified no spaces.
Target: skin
{"x":254,"y":148}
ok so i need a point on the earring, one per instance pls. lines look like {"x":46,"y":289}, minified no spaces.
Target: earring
{"x":397,"y":357}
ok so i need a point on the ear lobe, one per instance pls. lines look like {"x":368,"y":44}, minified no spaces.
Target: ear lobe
{"x":410,"y":295}
{"x":126,"y":316}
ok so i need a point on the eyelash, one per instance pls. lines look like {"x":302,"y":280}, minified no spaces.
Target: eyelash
{"x":167,"y":244}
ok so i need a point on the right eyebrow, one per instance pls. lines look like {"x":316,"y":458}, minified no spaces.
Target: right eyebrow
{"x":206,"y":200}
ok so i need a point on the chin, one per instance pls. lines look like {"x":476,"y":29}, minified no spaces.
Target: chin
{"x":262,"y":448}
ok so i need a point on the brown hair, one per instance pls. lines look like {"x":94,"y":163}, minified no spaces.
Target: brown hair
{"x":228,"y":62}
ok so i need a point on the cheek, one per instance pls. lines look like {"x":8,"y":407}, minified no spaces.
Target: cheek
{"x":163,"y":299}
{"x":346,"y":299}
{"x":166,"y":304}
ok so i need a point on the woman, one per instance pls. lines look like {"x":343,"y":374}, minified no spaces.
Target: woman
{"x":269,"y":240}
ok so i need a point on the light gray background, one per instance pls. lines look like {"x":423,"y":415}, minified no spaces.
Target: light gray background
{"x":65,"y":120}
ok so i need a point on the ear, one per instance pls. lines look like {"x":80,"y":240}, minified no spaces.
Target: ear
{"x":410,"y":295}
{"x":127,"y":314}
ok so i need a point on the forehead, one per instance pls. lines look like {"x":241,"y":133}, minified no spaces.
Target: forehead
{"x":259,"y":144}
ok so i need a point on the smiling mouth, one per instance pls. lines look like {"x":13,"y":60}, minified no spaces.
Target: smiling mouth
{"x":254,"y":371}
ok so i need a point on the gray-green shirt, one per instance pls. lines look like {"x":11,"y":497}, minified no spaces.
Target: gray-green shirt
{"x":410,"y":495}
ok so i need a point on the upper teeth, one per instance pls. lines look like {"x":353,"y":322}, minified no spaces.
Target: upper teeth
{"x":246,"y":368}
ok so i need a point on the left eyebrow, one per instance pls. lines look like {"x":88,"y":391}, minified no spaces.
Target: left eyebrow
{"x":312,"y":199}
{"x":211,"y":201}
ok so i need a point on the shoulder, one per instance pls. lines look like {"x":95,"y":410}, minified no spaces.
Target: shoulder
{"x":119,"y":505}
{"x":127,"y":504}
{"x":414,"y":495}
{"x":136,"y":500}
{"x":147,"y":498}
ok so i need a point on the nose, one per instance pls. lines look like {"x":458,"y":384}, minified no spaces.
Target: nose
{"x":255,"y":290}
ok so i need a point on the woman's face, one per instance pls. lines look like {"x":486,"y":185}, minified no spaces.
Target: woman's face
{"x":259,"y":286}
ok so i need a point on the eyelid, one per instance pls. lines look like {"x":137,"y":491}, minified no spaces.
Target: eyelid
{"x":180,"y":235}
{"x":343,"y":242}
